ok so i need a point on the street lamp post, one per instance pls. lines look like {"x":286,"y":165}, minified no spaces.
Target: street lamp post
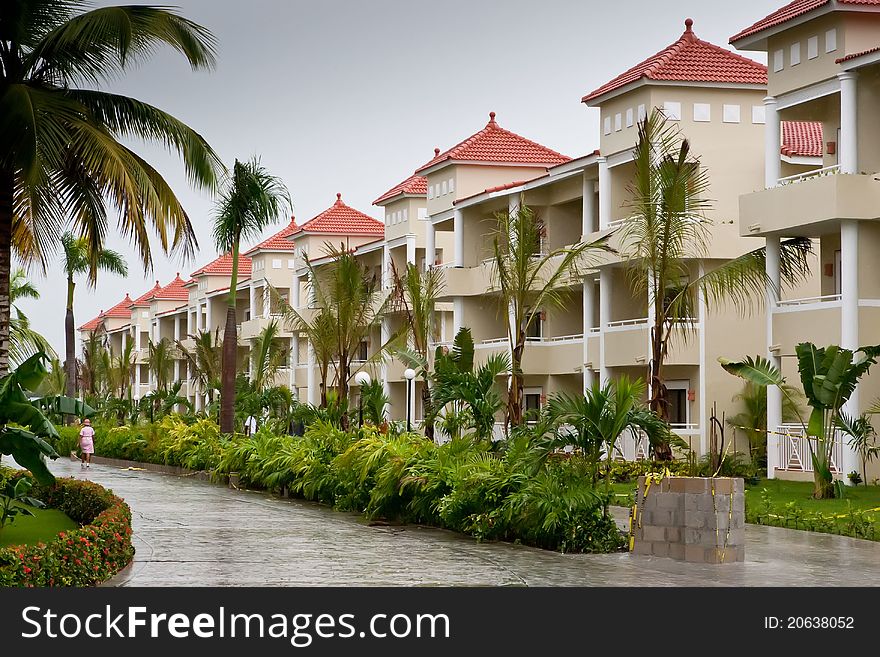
{"x":409,"y":374}
{"x":362,"y":379}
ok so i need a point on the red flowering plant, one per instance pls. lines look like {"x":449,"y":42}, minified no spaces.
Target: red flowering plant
{"x":96,"y":551}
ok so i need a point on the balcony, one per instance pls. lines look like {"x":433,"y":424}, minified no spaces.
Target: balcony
{"x":253,"y":327}
{"x":805,"y":205}
{"x":542,"y":356}
{"x":626,"y":344}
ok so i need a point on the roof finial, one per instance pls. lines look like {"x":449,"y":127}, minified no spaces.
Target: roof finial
{"x":436,"y":152}
{"x":492,"y":117}
{"x":688,"y":24}
{"x":339,"y":197}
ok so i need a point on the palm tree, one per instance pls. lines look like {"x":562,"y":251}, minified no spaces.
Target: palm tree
{"x":90,"y":369}
{"x":250,"y":200}
{"x":667,"y":233}
{"x":160,"y":361}
{"x":529,"y":281}
{"x":24,"y":341}
{"x":61,"y":144}
{"x":415,"y":295}
{"x":122,"y":369}
{"x":204,"y":362}
{"x":268,"y":355}
{"x":319,"y":329}
{"x":76,"y":260}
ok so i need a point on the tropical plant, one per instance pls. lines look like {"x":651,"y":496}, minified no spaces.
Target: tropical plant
{"x":458,"y":382}
{"x":90,"y":365}
{"x":752,"y":419}
{"x":599,"y":417}
{"x":667,"y":232}
{"x":529,"y":281}
{"x":15,"y":500}
{"x":160,"y":361}
{"x":268,"y":355}
{"x":24,"y":341}
{"x":349,"y":304}
{"x":415,"y":294}
{"x":166,"y":400}
{"x":61,"y":136}
{"x":829,"y":377}
{"x":24,"y":426}
{"x":250,"y":199}
{"x":204,"y":362}
{"x":76,"y":261}
{"x":373,"y":402}
{"x":862,"y":439}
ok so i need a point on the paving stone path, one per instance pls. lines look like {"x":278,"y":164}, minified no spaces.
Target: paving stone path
{"x":194,"y":533}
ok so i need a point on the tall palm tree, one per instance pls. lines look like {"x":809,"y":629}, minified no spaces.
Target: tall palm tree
{"x":122,"y":368}
{"x":268,"y":355}
{"x":249,"y":200}
{"x":415,"y":295}
{"x":76,"y":260}
{"x":160,"y":361}
{"x":528,"y":281}
{"x":319,"y":329}
{"x":62,"y":150}
{"x":668,"y":233}
{"x":90,"y":369}
{"x":204,"y":362}
{"x":24,"y":341}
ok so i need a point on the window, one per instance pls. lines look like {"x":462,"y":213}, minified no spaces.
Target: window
{"x":672,"y":110}
{"x":831,"y":41}
{"x":362,"y":351}
{"x":702,"y":112}
{"x":812,"y":47}
{"x":642,"y":112}
{"x":606,"y":126}
{"x":536,"y":328}
{"x":443,"y":189}
{"x":276,"y":263}
{"x":430,"y":191}
{"x":618,"y":122}
{"x":532,"y":402}
{"x":423,"y":214}
{"x":629,"y":118}
{"x":730,"y":114}
{"x":145,"y":313}
{"x":291,"y":264}
{"x":404,"y":214}
{"x":451,"y":185}
{"x":795,"y":58}
{"x":677,"y":406}
{"x":777,"y":60}
{"x":758,"y":113}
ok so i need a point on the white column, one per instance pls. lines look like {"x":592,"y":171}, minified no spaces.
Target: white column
{"x":295,"y":291}
{"x":177,"y":323}
{"x":774,"y":395}
{"x":849,"y":321}
{"x":604,"y":193}
{"x":291,"y":366}
{"x":457,"y":315}
{"x":849,"y":143}
{"x":411,"y":249}
{"x":176,"y":370}
{"x":208,"y":319}
{"x":137,"y":337}
{"x":385,"y":329}
{"x":588,"y":206}
{"x":386,"y":267}
{"x":772,"y":143}
{"x":458,"y":228}
{"x":604,"y":317}
{"x":430,"y":244}
{"x":589,"y":320}
{"x":314,"y":396}
{"x":267,"y":301}
{"x":137,"y":378}
{"x":252,"y":297}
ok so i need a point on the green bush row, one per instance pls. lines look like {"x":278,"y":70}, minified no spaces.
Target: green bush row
{"x":81,"y":557}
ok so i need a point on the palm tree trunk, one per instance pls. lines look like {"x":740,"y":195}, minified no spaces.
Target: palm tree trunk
{"x":230,"y":347}
{"x":69,"y":342}
{"x":658,"y":403}
{"x":515,"y":394}
{"x":7,"y":192}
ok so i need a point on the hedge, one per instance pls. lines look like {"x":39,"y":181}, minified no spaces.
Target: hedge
{"x":81,"y":557}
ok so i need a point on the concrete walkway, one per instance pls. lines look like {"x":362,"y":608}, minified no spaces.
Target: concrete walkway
{"x":194,"y":533}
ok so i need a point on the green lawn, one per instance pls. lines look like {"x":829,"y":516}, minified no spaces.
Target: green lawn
{"x":45,"y":524}
{"x":782,"y":492}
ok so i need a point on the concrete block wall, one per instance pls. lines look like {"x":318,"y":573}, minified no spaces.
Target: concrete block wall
{"x":696,"y":519}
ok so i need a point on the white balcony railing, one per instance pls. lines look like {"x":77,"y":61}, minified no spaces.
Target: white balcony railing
{"x":794,"y":449}
{"x":808,"y":301}
{"x":627,"y":324}
{"x":815,"y":173}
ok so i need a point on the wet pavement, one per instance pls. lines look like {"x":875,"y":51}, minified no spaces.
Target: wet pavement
{"x":194,"y":533}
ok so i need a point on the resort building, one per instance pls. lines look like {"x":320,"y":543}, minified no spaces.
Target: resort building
{"x":824,"y":68}
{"x":769,"y":142}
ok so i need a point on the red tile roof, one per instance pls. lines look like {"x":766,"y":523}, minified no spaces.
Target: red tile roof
{"x":791,"y":11}
{"x":495,"y":144}
{"x":120,"y":310}
{"x":91,"y":325}
{"x":222,"y":266}
{"x":856,"y":55}
{"x":278,"y":241}
{"x":144,"y":299}
{"x":341,"y":219}
{"x":802,"y":138}
{"x":415,"y":185}
{"x":689,"y":60}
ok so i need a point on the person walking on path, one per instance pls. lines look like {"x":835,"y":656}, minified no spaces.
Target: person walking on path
{"x":86,"y":444}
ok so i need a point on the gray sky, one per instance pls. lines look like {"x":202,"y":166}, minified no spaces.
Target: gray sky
{"x":351,"y":96}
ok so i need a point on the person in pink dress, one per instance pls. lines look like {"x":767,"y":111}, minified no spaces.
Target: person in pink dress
{"x":86,"y":444}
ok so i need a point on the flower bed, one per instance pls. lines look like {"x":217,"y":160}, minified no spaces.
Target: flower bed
{"x":82,"y":557}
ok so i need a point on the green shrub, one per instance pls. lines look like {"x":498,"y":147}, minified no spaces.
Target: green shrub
{"x":82,"y":557}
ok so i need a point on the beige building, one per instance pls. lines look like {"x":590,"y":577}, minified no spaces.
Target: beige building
{"x":824,"y":68}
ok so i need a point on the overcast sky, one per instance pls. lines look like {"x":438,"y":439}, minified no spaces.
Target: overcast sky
{"x":351,"y":96}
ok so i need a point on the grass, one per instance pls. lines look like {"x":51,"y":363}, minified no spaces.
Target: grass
{"x":43,"y":527}
{"x":782,"y":492}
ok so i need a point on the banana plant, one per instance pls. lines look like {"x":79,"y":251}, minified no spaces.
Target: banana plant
{"x":829,"y":376}
{"x":26,"y":440}
{"x":14,"y":500}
